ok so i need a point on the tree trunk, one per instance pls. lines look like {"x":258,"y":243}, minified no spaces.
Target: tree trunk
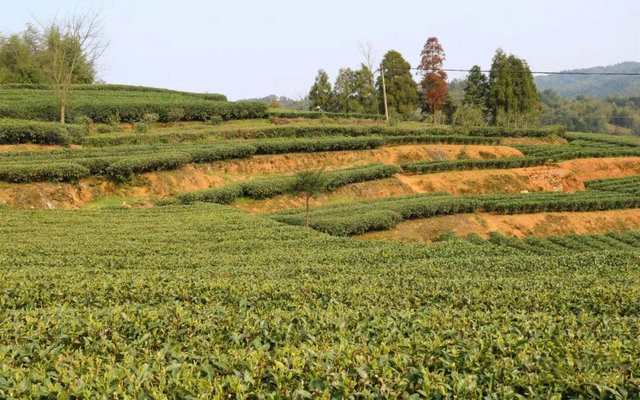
{"x":63,"y":106}
{"x":306,"y":219}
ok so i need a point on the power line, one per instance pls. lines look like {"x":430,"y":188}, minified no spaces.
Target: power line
{"x":555,"y":73}
{"x":532,"y":72}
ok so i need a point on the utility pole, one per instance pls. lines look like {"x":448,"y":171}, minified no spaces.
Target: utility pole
{"x":384,"y":94}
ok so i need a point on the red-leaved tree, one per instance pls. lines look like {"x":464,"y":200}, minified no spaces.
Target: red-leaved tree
{"x":434,"y":80}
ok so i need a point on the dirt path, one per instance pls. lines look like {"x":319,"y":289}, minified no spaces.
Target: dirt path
{"x":540,"y":224}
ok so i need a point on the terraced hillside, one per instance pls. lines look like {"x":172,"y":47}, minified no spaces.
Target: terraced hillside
{"x":525,"y":283}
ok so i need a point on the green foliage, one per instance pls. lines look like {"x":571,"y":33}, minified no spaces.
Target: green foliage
{"x":21,"y":131}
{"x":318,"y":115}
{"x":27,"y":57}
{"x":55,"y":172}
{"x":101,"y":105}
{"x":592,"y":139}
{"x":214,"y":120}
{"x":512,"y":94}
{"x":129,"y":89}
{"x":585,"y":114}
{"x":330,"y":219}
{"x":121,"y":162}
{"x":354,"y":92}
{"x":468,"y":115}
{"x":596,"y":86}
{"x":353,"y":224}
{"x":467,"y":164}
{"x":223,"y":195}
{"x":629,"y":184}
{"x":321,"y":94}
{"x":310,"y":145}
{"x":271,"y":187}
{"x":309,"y":183}
{"x":146,"y":123}
{"x":126,"y":167}
{"x":476,"y":89}
{"x":216,"y":302}
{"x":402,"y":92}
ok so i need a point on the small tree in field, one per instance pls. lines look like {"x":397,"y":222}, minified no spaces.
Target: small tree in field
{"x":309,"y":184}
{"x":72,"y":46}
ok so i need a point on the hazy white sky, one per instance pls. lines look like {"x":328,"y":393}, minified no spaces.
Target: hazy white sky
{"x":255,"y":48}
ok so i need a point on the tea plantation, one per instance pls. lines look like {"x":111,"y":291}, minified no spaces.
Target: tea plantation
{"x":179,"y":297}
{"x":206,"y":301}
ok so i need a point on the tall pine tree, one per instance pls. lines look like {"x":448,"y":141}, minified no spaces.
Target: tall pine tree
{"x":476,"y":89}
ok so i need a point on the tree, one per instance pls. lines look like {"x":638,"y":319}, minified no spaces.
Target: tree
{"x":366,"y":96}
{"x":512,"y":92}
{"x":353,"y":91}
{"x":402,"y":92}
{"x":434,"y":80}
{"x":309,"y":184}
{"x":369,"y":98}
{"x":321,"y":94}
{"x":345,"y":90}
{"x":72,"y":47}
{"x":20,"y":58}
{"x":476,"y":89}
{"x":524,"y":88}
{"x":500,"y":100}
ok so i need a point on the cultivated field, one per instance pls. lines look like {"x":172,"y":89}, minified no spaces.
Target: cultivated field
{"x":167,"y":257}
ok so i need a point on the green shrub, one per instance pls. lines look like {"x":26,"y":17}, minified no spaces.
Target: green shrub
{"x":321,"y":115}
{"x":102,"y":106}
{"x":127,"y":166}
{"x":105,"y":128}
{"x":223,"y":195}
{"x":142,"y":127}
{"x":20,"y":131}
{"x":353,"y":224}
{"x":318,"y":144}
{"x":55,"y":172}
{"x":467,"y":164}
{"x":266,"y":188}
{"x":214,"y":120}
{"x":221,"y":152}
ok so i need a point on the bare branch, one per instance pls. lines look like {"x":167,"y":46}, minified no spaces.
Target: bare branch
{"x":72,"y":43}
{"x":369,"y":55}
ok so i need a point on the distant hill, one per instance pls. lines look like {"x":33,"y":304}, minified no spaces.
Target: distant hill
{"x":594,"y":85}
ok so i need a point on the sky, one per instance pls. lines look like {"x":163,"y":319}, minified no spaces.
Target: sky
{"x":248,"y":49}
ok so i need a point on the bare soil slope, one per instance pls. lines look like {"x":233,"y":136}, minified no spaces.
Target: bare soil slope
{"x":539,"y":224}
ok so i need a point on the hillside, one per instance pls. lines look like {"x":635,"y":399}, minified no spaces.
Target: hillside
{"x":171,"y":258}
{"x":592,"y":85}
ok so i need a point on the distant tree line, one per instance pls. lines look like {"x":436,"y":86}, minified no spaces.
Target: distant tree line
{"x":614,"y":114}
{"x":507,"y":96}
